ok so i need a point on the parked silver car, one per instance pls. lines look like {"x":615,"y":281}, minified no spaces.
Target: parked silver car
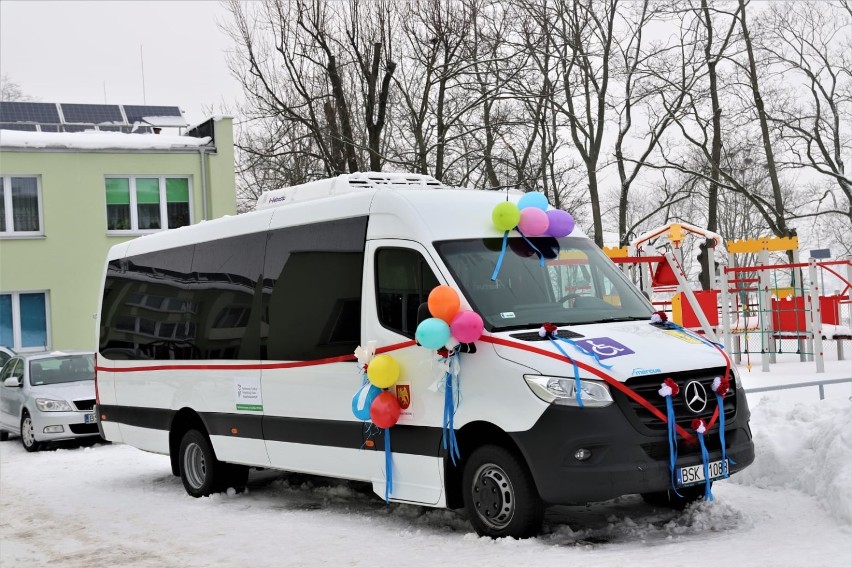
{"x":47,"y":397}
{"x":5,"y":355}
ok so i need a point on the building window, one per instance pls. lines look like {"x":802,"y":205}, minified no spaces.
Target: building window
{"x":20,"y":206}
{"x":23,"y":320}
{"x":143,"y":203}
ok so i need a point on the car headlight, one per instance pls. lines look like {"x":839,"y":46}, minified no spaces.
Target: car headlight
{"x":48,"y":405}
{"x":561,"y":390}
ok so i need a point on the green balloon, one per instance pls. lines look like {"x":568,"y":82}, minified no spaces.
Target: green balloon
{"x":506,"y":216}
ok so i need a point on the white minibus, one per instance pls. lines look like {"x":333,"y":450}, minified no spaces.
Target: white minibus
{"x":230,"y":345}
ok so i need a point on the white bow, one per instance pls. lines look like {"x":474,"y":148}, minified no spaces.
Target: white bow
{"x":365,"y":354}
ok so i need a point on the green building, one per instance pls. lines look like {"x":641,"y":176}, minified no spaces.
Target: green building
{"x":69,"y":193}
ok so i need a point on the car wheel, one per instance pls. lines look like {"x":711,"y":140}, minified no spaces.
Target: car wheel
{"x":4,"y":435}
{"x":28,"y":434}
{"x":200,"y":471}
{"x":500,"y":495}
{"x":677,"y":501}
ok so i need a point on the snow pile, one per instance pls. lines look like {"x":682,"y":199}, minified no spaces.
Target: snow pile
{"x":95,"y":140}
{"x":807,"y":448}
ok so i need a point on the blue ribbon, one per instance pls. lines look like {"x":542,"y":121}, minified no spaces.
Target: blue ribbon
{"x":672,"y":434}
{"x":584,"y":351}
{"x":388,"y":466}
{"x":529,"y":242}
{"x":708,"y":495}
{"x":576,"y":371}
{"x":448,"y":437}
{"x":704,"y":340}
{"x":502,"y":255}
{"x":725,"y":460}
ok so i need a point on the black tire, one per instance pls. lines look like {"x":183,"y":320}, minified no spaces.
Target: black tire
{"x":4,"y":435}
{"x":500,"y":495}
{"x":28,"y":434}
{"x":201,"y":473}
{"x":671,"y":500}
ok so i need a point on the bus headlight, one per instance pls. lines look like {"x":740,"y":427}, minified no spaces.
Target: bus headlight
{"x":561,"y":390}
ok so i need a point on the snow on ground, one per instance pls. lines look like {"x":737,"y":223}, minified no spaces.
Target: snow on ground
{"x":115,"y":505}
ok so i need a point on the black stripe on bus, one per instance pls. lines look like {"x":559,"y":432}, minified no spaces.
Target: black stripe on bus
{"x":414,"y":440}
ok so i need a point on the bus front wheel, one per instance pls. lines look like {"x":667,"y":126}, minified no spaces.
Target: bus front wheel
{"x":500,"y":496}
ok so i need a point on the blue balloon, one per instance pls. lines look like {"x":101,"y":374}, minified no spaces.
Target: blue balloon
{"x":432,"y":333}
{"x":363,"y":400}
{"x":533,"y":199}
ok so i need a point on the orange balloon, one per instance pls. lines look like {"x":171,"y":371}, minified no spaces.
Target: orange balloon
{"x":444,"y":303}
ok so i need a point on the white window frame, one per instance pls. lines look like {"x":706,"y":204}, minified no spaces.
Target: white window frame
{"x":7,"y":197}
{"x":16,"y":321}
{"x":134,"y":214}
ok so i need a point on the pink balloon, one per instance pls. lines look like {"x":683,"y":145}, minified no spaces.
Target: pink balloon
{"x":534,"y":222}
{"x":467,"y":326}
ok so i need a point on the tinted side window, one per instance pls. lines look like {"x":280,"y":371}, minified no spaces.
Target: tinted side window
{"x":228,"y":276}
{"x":403,"y":282}
{"x":312,"y":291}
{"x":148,"y":310}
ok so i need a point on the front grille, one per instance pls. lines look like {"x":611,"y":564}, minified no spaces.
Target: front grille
{"x":84,"y":428}
{"x":87,"y":404}
{"x":647,"y":388}
{"x":534,"y":336}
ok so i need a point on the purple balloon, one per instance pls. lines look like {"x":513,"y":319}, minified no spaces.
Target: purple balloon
{"x":561,"y":223}
{"x":533,"y":222}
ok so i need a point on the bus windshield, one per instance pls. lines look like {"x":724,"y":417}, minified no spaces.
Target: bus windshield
{"x":576,"y":284}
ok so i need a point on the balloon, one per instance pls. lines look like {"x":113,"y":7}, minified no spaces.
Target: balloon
{"x":443,"y":303}
{"x":363,"y":400}
{"x":506,"y":216}
{"x":384,"y":412}
{"x":534,"y":199}
{"x":533,"y":222}
{"x":467,"y":326}
{"x":432,"y":333}
{"x":383,"y":371}
{"x":561,"y":223}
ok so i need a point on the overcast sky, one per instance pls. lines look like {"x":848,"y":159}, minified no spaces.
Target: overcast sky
{"x":89,"y":52}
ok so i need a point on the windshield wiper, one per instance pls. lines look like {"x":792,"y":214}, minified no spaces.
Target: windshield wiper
{"x":614,"y":319}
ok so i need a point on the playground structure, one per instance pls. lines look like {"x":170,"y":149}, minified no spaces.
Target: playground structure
{"x":764,"y":309}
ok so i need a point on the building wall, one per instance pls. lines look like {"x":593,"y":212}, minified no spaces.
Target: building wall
{"x":68,"y":260}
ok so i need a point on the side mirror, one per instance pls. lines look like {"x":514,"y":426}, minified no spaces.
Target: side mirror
{"x":12,"y":382}
{"x":423,"y":313}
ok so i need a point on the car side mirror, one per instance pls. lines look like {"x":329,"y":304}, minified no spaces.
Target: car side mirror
{"x":423,"y":313}
{"x":12,"y":382}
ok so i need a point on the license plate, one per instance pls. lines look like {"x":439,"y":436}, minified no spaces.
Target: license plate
{"x":692,"y":474}
{"x":90,"y":418}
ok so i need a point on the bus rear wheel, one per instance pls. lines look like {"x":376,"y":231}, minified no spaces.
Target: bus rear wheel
{"x":201,"y":473}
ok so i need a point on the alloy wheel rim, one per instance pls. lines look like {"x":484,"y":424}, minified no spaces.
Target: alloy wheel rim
{"x":27,"y":433}
{"x":493,"y":496}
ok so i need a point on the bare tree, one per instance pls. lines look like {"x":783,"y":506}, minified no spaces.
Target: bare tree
{"x":811,"y":44}
{"x":11,"y":91}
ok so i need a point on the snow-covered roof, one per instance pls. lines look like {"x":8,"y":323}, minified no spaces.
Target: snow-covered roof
{"x":94,"y":140}
{"x":164,"y":120}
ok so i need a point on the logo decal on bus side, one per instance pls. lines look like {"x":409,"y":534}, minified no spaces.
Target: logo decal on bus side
{"x":403,"y":395}
{"x":247,"y":394}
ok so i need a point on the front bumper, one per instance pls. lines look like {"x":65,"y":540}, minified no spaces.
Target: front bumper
{"x":72,"y":425}
{"x":624,"y":459}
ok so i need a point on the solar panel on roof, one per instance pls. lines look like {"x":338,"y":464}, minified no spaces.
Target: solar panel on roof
{"x":18,"y":126}
{"x":77,"y":127}
{"x":135,"y":113}
{"x":42,"y":113}
{"x":91,"y":114}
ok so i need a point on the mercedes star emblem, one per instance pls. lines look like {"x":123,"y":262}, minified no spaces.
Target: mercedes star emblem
{"x":695,"y":397}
